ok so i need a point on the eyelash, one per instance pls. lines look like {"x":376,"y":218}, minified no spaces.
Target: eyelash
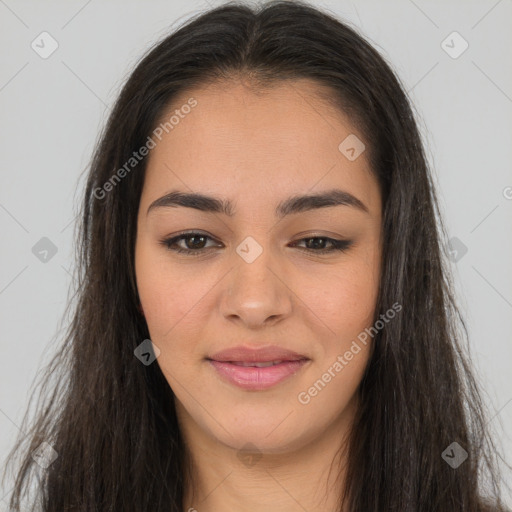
{"x":337,"y":245}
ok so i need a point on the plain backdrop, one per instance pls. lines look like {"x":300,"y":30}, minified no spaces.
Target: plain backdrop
{"x":53,"y":108}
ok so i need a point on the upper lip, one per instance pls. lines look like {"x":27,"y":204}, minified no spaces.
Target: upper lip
{"x":257,"y":355}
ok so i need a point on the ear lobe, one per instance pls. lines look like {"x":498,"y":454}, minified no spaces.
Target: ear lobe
{"x":139,"y":307}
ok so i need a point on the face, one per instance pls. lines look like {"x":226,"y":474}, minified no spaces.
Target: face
{"x":260,"y":276}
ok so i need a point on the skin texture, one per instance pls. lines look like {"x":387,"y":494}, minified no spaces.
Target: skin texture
{"x":258,"y":149}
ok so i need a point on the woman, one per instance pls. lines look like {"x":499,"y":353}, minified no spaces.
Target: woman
{"x":265,"y":320}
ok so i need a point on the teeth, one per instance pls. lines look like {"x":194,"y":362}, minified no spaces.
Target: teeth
{"x":258,"y":365}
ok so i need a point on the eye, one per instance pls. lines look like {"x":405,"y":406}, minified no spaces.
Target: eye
{"x":197,"y":247}
{"x":336,"y":245}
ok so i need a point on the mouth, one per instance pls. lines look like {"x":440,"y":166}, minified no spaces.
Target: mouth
{"x":247,"y":354}
{"x":257,"y":364}
{"x":257,"y":370}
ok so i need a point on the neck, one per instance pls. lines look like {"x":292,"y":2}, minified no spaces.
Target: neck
{"x":308,"y":476}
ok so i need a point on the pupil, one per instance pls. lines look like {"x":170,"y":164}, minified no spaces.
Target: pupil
{"x":317,"y":243}
{"x":194,"y":237}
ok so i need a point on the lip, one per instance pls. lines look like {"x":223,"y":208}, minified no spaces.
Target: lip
{"x":257,"y":355}
{"x":257,"y":378}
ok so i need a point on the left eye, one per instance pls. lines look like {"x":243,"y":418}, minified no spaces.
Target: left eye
{"x":200,"y":240}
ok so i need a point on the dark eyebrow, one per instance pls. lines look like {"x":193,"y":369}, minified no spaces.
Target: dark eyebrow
{"x":294,"y":204}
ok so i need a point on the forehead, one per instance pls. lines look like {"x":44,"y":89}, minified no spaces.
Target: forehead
{"x":246,"y":142}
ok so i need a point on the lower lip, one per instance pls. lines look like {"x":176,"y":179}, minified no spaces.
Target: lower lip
{"x":254,"y":378}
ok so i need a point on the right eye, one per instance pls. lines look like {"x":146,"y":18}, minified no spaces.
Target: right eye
{"x":197,"y":246}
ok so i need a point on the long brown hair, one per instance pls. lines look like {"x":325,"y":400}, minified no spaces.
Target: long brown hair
{"x":110,"y":420}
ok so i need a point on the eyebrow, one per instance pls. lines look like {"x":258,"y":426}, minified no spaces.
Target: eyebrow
{"x":294,"y":204}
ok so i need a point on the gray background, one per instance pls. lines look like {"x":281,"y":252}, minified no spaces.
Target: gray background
{"x":52,"y":110}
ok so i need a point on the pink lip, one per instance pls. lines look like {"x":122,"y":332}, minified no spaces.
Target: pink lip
{"x":257,"y":355}
{"x":254,"y":378}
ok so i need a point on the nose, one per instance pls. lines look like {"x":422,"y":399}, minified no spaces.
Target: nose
{"x":256,"y":293}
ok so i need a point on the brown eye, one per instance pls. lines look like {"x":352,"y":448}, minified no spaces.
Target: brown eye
{"x":194,"y":243}
{"x":316,"y":244}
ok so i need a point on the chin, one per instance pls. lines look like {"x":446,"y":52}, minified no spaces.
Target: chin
{"x":268,"y":436}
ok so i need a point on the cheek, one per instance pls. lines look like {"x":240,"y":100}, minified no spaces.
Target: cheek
{"x":168,"y":289}
{"x":162,"y":296}
{"x":175,"y":302}
{"x":346,"y":302}
{"x":165,"y":305}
